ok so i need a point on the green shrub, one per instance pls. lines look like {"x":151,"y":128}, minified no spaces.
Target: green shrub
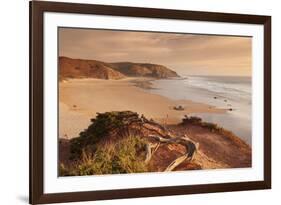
{"x":210,"y":126}
{"x":125,"y":156}
{"x":192,"y":119}
{"x":98,"y":129}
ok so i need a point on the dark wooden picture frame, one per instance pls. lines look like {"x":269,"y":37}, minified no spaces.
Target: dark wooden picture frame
{"x":37,"y":9}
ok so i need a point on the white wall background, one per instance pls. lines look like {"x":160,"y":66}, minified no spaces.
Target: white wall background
{"x":14,"y":101}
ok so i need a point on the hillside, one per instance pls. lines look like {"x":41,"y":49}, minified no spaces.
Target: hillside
{"x":76,"y":68}
{"x":124,"y":142}
{"x":144,"y":70}
{"x":80,"y":68}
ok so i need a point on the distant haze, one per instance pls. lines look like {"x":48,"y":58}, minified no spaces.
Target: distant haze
{"x":187,"y":54}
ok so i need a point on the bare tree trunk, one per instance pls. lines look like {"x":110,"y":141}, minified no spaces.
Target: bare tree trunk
{"x":190,"y":146}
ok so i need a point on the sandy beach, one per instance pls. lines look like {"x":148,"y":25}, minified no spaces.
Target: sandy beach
{"x":81,"y":99}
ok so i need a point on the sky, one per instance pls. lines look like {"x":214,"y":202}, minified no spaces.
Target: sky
{"x":187,"y":54}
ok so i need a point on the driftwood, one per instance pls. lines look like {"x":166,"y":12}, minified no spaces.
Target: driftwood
{"x":175,"y":163}
{"x":190,"y":146}
{"x":149,"y":151}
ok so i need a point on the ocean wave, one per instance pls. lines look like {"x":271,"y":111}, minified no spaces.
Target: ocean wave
{"x":222,"y":85}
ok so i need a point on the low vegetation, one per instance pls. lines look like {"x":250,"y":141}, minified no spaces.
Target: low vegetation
{"x":125,"y":156}
{"x":96,"y":152}
{"x":198,"y":121}
{"x":101,"y":126}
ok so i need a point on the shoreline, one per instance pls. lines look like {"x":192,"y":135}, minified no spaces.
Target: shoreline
{"x":218,"y":93}
{"x":81,"y":99}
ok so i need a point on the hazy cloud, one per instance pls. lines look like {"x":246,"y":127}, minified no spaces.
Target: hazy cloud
{"x":185,"y":53}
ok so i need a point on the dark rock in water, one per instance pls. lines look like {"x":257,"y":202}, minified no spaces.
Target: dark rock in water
{"x":179,"y":108}
{"x":215,"y":97}
{"x":230,"y":109}
{"x":225,"y":100}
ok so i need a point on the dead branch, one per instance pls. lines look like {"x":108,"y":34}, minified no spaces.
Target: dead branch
{"x":175,"y":163}
{"x":190,"y":146}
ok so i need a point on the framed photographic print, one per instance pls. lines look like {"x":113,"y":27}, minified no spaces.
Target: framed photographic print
{"x":138,"y":102}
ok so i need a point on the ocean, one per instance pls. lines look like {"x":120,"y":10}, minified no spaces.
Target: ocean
{"x":230,"y":92}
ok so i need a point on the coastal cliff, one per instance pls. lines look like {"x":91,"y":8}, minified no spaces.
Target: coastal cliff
{"x":77,"y":68}
{"x":81,"y":68}
{"x":144,"y":70}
